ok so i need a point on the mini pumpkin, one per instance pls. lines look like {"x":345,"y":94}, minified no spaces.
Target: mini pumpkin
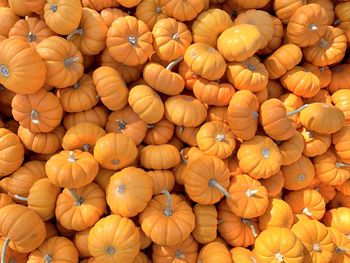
{"x":160,"y":132}
{"x":341,"y":143}
{"x":278,"y":214}
{"x":205,"y":229}
{"x":340,"y":78}
{"x":97,"y":115}
{"x":182,"y":10}
{"x":163,"y":156}
{"x":341,"y":99}
{"x":151,"y":11}
{"x":214,"y":251}
{"x":315,"y":144}
{"x":291,"y":149}
{"x":273,"y":184}
{"x":162,"y":180}
{"x":338,"y":218}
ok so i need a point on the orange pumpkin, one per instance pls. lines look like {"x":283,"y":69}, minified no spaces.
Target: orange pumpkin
{"x":217,"y":114}
{"x":342,"y":245}
{"x":205,"y":229}
{"x":340,"y":78}
{"x":341,"y":99}
{"x":214,"y":251}
{"x":240,"y":254}
{"x":99,"y":5}
{"x":276,"y":40}
{"x":339,"y":219}
{"x":110,"y":14}
{"x":188,"y":75}
{"x":160,"y":132}
{"x":323,"y":73}
{"x":182,"y":10}
{"x":162,"y":180}
{"x":291,"y":149}
{"x":284,"y":9}
{"x":9,"y":19}
{"x":151,"y":11}
{"x":341,"y":143}
{"x":13,"y":255}
{"x":277,"y":214}
{"x":273,"y":184}
{"x":315,"y":144}
{"x":163,"y":156}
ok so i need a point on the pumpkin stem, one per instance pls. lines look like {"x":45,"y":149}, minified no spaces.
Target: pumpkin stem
{"x":214,"y":183}
{"x":265,"y":153}
{"x":31,"y":37}
{"x":251,"y":192}
{"x":21,"y":198}
{"x":310,"y":134}
{"x":173,"y":63}
{"x":78,"y":199}
{"x":341,"y":250}
{"x":78,"y":31}
{"x":251,"y":226}
{"x":179,"y":254}
{"x":220,"y":137}
{"x":291,"y":113}
{"x":3,"y":250}
{"x":255,"y":115}
{"x":121,"y":188}
{"x":341,"y":165}
{"x":70,"y":61}
{"x":110,"y":251}
{"x":313,"y":27}
{"x":251,"y":67}
{"x":121,"y":124}
{"x":53,"y":8}
{"x":132,"y":40}
{"x":167,"y":210}
{"x":151,"y":126}
{"x":158,"y":9}
{"x":323,"y":43}
{"x":34,"y":116}
{"x":76,"y":85}
{"x":337,"y":22}
{"x":279,"y":257}
{"x":48,"y":258}
{"x":307,"y":211}
{"x":183,"y":159}
{"x":71,"y":157}
{"x":86,"y":147}
{"x":4,"y":71}
{"x":316,"y":248}
{"x":301,"y":177}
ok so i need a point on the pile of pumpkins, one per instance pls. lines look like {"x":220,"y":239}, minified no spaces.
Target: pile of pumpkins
{"x":187,"y":131}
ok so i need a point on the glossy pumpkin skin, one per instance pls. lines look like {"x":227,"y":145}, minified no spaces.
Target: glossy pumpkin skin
{"x":162,"y":180}
{"x":322,"y":118}
{"x":154,"y":220}
{"x":56,"y":248}
{"x":242,"y":114}
{"x":248,"y":197}
{"x":110,"y":14}
{"x":184,"y":110}
{"x":11,"y":152}
{"x":22,"y":69}
{"x":341,"y":99}
{"x":184,"y":251}
{"x":202,"y":177}
{"x":317,"y":240}
{"x":205,"y":61}
{"x":323,"y":73}
{"x":26,"y":230}
{"x":299,"y":174}
{"x":159,"y":156}
{"x":306,"y":202}
{"x":259,"y":152}
{"x":205,"y":229}
{"x":129,"y":41}
{"x":278,"y":214}
{"x":340,"y":78}
{"x":209,"y":25}
{"x":235,"y":230}
{"x":291,"y":149}
{"x":111,"y":88}
{"x":216,"y":138}
{"x":129,"y":191}
{"x":338,"y":218}
{"x":315,"y":144}
{"x":276,"y":40}
{"x":285,"y":9}
{"x":64,"y":62}
{"x":120,"y":242}
{"x":247,"y":42}
{"x":183,"y":11}
{"x":171,"y":38}
{"x":214,"y":251}
{"x":342,"y":244}
{"x":269,"y":246}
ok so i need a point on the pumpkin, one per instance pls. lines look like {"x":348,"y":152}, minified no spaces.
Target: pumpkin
{"x":339,"y":200}
{"x":206,"y":180}
{"x":330,"y":170}
{"x":82,"y":136}
{"x":186,"y":251}
{"x":111,"y":88}
{"x":240,"y":254}
{"x":216,"y":113}
{"x":277,"y":214}
{"x":51,"y":230}
{"x":262,"y":20}
{"x":183,"y":10}
{"x":162,"y":180}
{"x":81,"y":96}
{"x":102,"y":178}
{"x":278,"y":244}
{"x":81,"y":242}
{"x":184,"y":110}
{"x":129,"y":41}
{"x":328,"y":6}
{"x":329,"y":49}
{"x":248,"y":198}
{"x":299,"y":174}
{"x":284,"y":9}
{"x":22,"y":180}
{"x":9,"y":18}
{"x":256,"y":4}
{"x":33,"y":30}
{"x":129,"y":191}
{"x":205,"y":230}
{"x":317,"y":240}
{"x":63,"y":60}
{"x":42,"y":198}
{"x":322,"y":118}
{"x":42,"y":143}
{"x":171,"y":39}
{"x":340,"y":78}
{"x":276,"y":40}
{"x":306,"y":202}
{"x":205,"y":61}
{"x":80,"y":208}
{"x":162,"y":79}
{"x":164,"y":211}
{"x":114,"y":238}
{"x":273,"y":184}
{"x":259,"y":157}
{"x":187,"y":74}
{"x":115,"y":151}
{"x":341,"y":99}
{"x":277,"y":64}
{"x":340,"y":142}
{"x":338,"y":218}
{"x":163,"y":156}
{"x":22,"y":228}
{"x":160,"y":132}
{"x":342,"y":245}
{"x":5,"y":200}
{"x":247,"y":42}
{"x":11,"y":152}
{"x":323,"y":73}
{"x":315,"y":144}
{"x":151,"y":11}
{"x":98,"y":5}
{"x":322,"y":96}
{"x":247,"y":75}
{"x":292,"y":102}
{"x":61,"y":16}
{"x":214,"y":251}
{"x":90,"y":36}
{"x":187,"y":135}
{"x":209,"y":25}
{"x":307,"y":25}
{"x":328,"y":192}
{"x":19,"y":7}
{"x":97,"y":115}
{"x":242,"y":114}
{"x":146,"y":103}
{"x":291,"y":149}
{"x":110,"y":14}
{"x":54,"y":248}
{"x":22,"y":70}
